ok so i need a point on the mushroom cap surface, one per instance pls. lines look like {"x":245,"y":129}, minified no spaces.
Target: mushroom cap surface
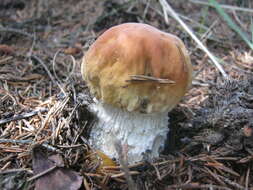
{"x":138,"y":68}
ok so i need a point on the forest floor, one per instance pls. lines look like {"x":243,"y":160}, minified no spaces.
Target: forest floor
{"x":44,"y":120}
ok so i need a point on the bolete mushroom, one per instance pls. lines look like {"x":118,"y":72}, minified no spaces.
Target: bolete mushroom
{"x":137,"y":74}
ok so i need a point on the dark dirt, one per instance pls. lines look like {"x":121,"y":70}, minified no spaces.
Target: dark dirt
{"x":211,"y":140}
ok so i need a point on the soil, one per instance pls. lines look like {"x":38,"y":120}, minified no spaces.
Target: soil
{"x":43,"y":98}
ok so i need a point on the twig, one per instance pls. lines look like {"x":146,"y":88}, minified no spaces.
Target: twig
{"x":42,"y":173}
{"x":15,"y":141}
{"x":3,"y":61}
{"x":49,"y":147}
{"x":208,"y":171}
{"x":86,"y":184}
{"x":3,"y":29}
{"x":232,"y":183}
{"x":157,"y":172}
{"x":12,"y":78}
{"x":15,"y":171}
{"x":22,"y":116}
{"x":169,"y":10}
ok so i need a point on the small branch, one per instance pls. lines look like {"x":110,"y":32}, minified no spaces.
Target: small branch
{"x":3,"y":29}
{"x":16,"y":171}
{"x":42,"y":173}
{"x":15,"y":141}
{"x":169,"y":10}
{"x":22,"y":116}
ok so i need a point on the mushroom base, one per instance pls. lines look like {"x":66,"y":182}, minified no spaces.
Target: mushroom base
{"x":140,"y":133}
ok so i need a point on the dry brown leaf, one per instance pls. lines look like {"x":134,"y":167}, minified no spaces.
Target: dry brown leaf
{"x":57,"y":179}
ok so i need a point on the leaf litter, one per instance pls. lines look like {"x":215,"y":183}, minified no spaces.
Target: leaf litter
{"x":43,"y":104}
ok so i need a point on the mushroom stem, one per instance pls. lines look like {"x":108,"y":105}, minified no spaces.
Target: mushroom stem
{"x":141,"y":133}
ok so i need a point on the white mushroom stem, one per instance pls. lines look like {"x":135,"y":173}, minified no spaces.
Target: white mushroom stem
{"x":139,"y":132}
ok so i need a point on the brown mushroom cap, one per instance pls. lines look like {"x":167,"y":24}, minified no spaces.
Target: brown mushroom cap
{"x":137,"y":67}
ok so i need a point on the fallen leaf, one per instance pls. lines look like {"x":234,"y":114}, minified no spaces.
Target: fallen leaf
{"x":57,"y":179}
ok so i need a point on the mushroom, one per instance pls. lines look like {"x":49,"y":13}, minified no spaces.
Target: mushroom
{"x":137,"y":74}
